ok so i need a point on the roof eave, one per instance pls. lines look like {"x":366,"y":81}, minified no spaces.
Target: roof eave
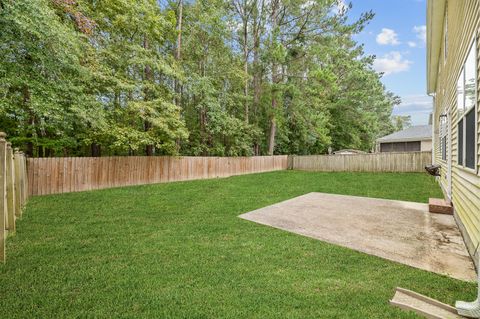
{"x":435,"y":17}
{"x":411,"y":139}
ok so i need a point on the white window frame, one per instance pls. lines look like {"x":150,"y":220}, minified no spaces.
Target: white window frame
{"x":461,"y":117}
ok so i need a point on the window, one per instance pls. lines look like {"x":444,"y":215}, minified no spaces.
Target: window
{"x":466,"y":106}
{"x":470,"y":139}
{"x":413,"y":146}
{"x":444,"y":148}
{"x":460,"y":143}
{"x":401,"y":147}
{"x":460,"y":95}
{"x":443,"y":136}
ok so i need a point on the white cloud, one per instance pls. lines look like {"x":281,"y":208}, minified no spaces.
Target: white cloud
{"x":340,"y":7}
{"x":387,"y":36}
{"x":417,"y":106}
{"x":307,"y":5}
{"x":416,"y":102}
{"x":411,"y":44}
{"x":421,"y":32}
{"x":392,"y":62}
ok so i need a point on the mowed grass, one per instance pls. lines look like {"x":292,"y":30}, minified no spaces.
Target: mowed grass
{"x":179,"y":250}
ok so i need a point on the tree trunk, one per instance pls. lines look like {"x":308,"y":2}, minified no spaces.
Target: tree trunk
{"x":95,"y":150}
{"x":245,"y":65}
{"x":178,"y":54}
{"x":273,"y":125}
{"x":31,"y":121}
{"x":40,"y":152}
{"x":271,"y":139}
{"x":257,"y":78}
{"x":203,"y":133}
{"x":148,"y":147}
{"x":147,"y":97}
{"x":203,"y":112}
{"x":178,"y":49}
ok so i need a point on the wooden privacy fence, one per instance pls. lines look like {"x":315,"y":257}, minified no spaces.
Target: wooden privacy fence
{"x":55,"y":175}
{"x":13,"y":189}
{"x":72,"y":174}
{"x":376,"y":162}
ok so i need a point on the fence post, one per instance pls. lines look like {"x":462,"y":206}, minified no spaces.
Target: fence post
{"x":10,"y":188}
{"x":23,"y":196}
{"x":25,"y":178}
{"x":17,"y":188}
{"x":3,"y":199}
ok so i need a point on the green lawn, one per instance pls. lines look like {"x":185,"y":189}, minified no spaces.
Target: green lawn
{"x":179,"y":250}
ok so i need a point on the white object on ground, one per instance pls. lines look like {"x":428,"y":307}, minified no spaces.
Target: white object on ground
{"x":470,"y":309}
{"x":422,"y":305}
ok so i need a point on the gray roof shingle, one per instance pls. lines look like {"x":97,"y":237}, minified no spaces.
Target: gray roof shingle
{"x":413,"y":133}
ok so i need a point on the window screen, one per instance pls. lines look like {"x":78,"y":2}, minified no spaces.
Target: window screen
{"x":444,"y":148}
{"x":460,"y":142}
{"x":467,"y":103}
{"x":400,"y":147}
{"x":443,"y":136}
{"x":413,"y":147}
{"x":470,"y":139}
{"x":386,"y":147}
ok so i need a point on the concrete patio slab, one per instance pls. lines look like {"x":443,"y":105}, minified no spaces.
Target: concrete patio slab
{"x":404,"y":232}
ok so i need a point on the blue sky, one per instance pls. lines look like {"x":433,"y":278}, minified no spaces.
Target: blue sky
{"x":396,"y":35}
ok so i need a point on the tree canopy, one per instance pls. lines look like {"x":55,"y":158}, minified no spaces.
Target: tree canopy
{"x":203,"y":77}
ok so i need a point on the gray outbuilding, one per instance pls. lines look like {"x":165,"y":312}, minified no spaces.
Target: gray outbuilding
{"x":413,"y":139}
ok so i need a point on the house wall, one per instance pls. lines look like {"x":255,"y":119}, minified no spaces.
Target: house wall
{"x":426,"y":146}
{"x":463,"y":26}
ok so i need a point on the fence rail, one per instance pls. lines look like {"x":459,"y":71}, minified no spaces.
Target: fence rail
{"x":376,"y":162}
{"x":72,"y":174}
{"x":13,"y":189}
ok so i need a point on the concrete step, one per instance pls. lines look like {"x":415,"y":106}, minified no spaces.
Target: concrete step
{"x":426,"y":307}
{"x":440,"y":206}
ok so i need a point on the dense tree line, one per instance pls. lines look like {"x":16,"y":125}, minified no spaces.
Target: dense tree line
{"x":203,"y":77}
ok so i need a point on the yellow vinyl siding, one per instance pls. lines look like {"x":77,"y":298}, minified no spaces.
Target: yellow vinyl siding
{"x":463,"y":26}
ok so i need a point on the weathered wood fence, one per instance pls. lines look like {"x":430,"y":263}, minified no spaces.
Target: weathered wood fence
{"x":72,"y":174}
{"x":13,"y":189}
{"x":375,"y":162}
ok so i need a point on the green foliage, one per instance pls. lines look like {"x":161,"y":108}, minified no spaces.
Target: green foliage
{"x":45,"y":86}
{"x":114,"y":77}
{"x":401,"y":122}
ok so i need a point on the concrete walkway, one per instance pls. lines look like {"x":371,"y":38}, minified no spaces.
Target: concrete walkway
{"x":400,"y":231}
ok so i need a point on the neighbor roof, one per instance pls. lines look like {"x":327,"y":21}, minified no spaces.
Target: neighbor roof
{"x":413,"y":133}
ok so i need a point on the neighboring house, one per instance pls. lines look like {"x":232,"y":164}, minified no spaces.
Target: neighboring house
{"x":413,"y":139}
{"x":348,"y":152}
{"x":452,"y":79}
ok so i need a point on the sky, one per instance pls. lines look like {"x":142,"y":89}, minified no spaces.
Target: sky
{"x":396,"y":36}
